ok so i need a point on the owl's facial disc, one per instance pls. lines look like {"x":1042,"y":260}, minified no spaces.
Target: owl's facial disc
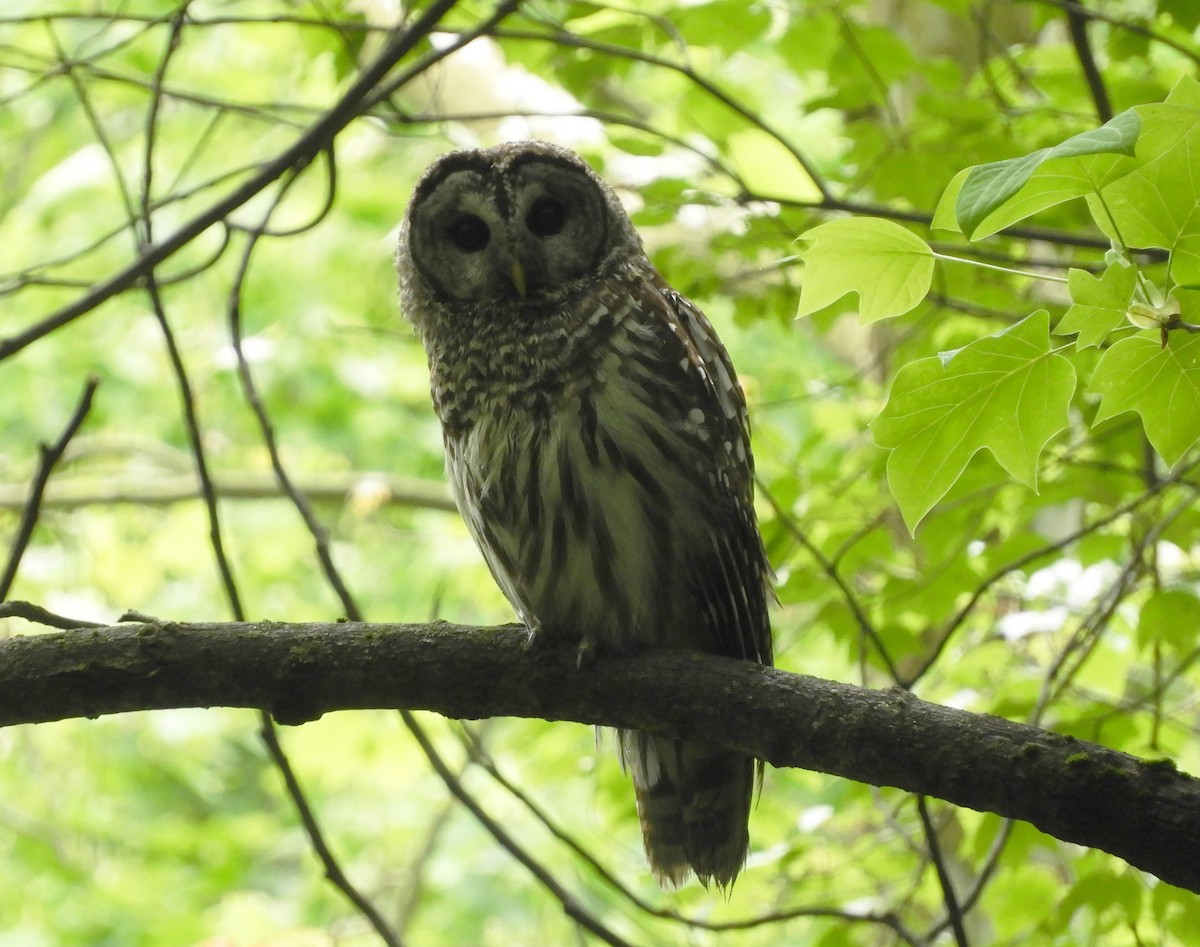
{"x":520,"y":230}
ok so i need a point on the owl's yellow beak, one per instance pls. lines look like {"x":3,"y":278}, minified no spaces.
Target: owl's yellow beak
{"x":518,"y":277}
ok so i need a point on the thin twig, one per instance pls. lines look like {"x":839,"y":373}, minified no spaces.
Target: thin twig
{"x":1128,"y":24}
{"x":1072,"y":658}
{"x":50,"y":456}
{"x":333,"y":870}
{"x":328,"y":486}
{"x":1021,"y":562}
{"x":191,"y":417}
{"x":266,"y":428}
{"x":478,"y":753}
{"x":569,"y":903}
{"x":866,"y":626}
{"x":42,"y":616}
{"x":953,"y":912}
{"x":990,"y":865}
{"x":317,"y":137}
{"x":413,"y":896}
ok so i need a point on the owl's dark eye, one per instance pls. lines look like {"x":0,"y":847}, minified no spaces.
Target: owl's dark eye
{"x":546,"y":217}
{"x":469,"y":233}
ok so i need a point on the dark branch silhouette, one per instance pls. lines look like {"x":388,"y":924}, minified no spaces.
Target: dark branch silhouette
{"x":1143,"y":811}
{"x":31,"y":508}
{"x":296,"y":157}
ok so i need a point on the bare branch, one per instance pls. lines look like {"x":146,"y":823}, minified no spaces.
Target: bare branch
{"x":297,"y":156}
{"x":31,"y":509}
{"x":1129,"y":24}
{"x":333,"y":870}
{"x":570,"y":904}
{"x":377,"y":489}
{"x":1077,"y":25}
{"x":954,"y":913}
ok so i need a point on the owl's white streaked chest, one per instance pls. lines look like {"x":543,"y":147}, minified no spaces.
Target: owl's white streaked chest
{"x":580,"y":511}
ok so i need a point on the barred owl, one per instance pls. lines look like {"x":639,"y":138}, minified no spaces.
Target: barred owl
{"x":597,"y":441}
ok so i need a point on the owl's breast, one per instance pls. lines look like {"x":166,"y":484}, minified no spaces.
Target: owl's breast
{"x":584,"y":505}
{"x":527,"y":364}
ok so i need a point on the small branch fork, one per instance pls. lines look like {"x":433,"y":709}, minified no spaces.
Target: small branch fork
{"x":51,"y":455}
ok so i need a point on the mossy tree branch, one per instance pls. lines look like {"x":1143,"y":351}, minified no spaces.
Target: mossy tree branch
{"x":1145,"y":812}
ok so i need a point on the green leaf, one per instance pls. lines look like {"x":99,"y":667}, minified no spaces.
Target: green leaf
{"x":1171,"y":616}
{"x":1099,"y":303}
{"x":1105,"y":891}
{"x":1162,"y":384}
{"x":1187,"y":90}
{"x":768,"y":168}
{"x":987,"y":188}
{"x":945,"y":215}
{"x":1158,"y":205}
{"x":1008,"y":393}
{"x":889,"y":267}
{"x":727,"y":25}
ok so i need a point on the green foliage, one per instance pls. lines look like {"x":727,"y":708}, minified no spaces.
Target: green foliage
{"x":987,"y":188}
{"x":1137,"y":172}
{"x":999,"y":288}
{"x":1161,"y":382}
{"x":1008,"y":392}
{"x":1099,"y":304}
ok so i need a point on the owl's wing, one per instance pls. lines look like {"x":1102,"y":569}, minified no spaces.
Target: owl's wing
{"x":708,"y":358}
{"x":732,"y":579}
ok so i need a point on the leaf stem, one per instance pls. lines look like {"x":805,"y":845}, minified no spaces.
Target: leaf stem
{"x":1002,"y":269}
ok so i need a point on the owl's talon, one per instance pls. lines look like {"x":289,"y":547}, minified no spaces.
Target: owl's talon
{"x":587,"y":654}
{"x":537,"y":641}
{"x":543,"y":648}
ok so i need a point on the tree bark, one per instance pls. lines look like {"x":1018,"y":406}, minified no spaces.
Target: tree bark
{"x":1145,"y":812}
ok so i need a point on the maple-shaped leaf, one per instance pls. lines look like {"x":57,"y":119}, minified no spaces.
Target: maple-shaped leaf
{"x":1007,"y":393}
{"x":1161,"y":383}
{"x":889,"y":267}
{"x":1099,"y":304}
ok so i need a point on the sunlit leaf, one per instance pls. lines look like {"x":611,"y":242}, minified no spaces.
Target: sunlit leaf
{"x":1158,"y":205}
{"x":1007,"y":393}
{"x":767,"y":167}
{"x":1186,"y":91}
{"x":988,"y":187}
{"x":1161,"y":383}
{"x":1171,"y":616}
{"x":889,"y":267}
{"x":1099,"y":304}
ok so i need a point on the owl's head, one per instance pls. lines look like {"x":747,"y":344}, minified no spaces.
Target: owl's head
{"x":522,"y":224}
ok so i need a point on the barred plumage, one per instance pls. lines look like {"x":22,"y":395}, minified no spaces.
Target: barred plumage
{"x":598,"y":444}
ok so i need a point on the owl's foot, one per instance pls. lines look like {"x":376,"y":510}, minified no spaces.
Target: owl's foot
{"x":550,"y":648}
{"x":545,"y":648}
{"x":538,"y":641}
{"x":588,"y":651}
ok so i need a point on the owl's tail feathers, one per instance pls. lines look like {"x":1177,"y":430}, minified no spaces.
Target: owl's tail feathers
{"x":694,"y":805}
